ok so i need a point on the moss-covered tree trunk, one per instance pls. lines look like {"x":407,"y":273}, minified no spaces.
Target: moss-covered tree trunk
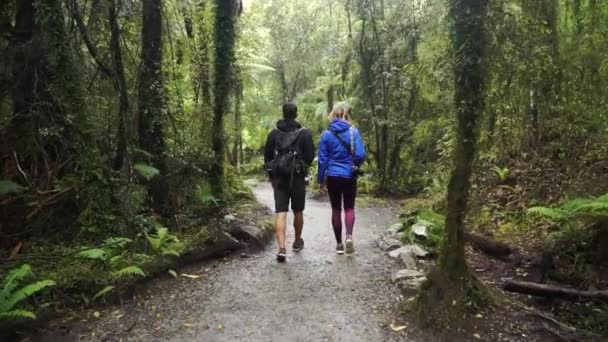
{"x":123,"y":132}
{"x":152,"y":98}
{"x":224,"y":54}
{"x":452,"y":285}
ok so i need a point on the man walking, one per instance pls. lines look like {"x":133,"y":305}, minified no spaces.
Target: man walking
{"x":288,"y":153}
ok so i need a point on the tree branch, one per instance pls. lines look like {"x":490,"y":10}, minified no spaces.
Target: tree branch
{"x":87,"y":41}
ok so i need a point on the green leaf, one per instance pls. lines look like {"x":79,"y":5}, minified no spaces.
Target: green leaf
{"x":146,"y":171}
{"x":173,"y":273}
{"x":170,"y":252}
{"x":7,"y":186}
{"x":12,"y":280}
{"x":102,"y":292}
{"x":16,"y":314}
{"x":129,"y":271}
{"x":93,"y":253}
{"x":24,"y":293}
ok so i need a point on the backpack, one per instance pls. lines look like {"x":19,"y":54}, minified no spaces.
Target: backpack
{"x":287,"y":159}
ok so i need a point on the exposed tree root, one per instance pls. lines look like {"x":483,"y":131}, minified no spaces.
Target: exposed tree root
{"x":444,"y":302}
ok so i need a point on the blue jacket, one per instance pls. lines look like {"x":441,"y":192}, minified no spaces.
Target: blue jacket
{"x":334,"y":158}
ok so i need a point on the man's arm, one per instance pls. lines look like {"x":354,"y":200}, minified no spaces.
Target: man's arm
{"x":308,"y":147}
{"x":269,"y":148}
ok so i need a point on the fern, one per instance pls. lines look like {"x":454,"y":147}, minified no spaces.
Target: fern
{"x":11,"y":294}
{"x":7,"y":186}
{"x":24,"y":293}
{"x":129,"y":271}
{"x":103,"y":291}
{"x":146,"y":171}
{"x":502,"y":173}
{"x":205,"y":195}
{"x":94,"y":254}
{"x":12,"y":280}
{"x":575,"y":210}
{"x":19,"y":313}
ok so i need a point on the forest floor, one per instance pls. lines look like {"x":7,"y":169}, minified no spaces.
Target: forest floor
{"x":316,"y":296}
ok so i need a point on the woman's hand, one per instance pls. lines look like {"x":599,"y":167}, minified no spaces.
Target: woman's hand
{"x":322,"y":188}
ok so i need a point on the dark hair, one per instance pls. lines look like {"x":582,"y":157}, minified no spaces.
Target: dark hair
{"x":290,"y":111}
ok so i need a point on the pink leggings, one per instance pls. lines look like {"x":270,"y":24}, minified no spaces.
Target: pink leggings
{"x":342,"y":190}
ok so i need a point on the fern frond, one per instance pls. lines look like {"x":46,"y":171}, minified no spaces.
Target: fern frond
{"x":93,"y":253}
{"x":7,"y":186}
{"x":170,"y":252}
{"x":24,"y":293}
{"x":129,"y":271}
{"x":146,"y":171}
{"x":16,"y":314}
{"x":550,"y":213}
{"x":102,"y":292}
{"x":12,"y":280}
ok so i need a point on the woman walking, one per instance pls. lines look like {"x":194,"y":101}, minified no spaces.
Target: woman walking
{"x":341,"y":153}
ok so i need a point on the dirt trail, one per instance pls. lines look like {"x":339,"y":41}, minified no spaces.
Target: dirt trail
{"x":316,"y":296}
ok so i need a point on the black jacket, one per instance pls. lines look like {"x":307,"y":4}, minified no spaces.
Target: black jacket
{"x":305,"y":143}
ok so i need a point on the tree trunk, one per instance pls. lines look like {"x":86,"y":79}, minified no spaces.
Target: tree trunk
{"x":152,"y":99}
{"x":236,"y":148}
{"x":330,"y":98}
{"x":123,"y":133}
{"x":224,"y":55}
{"x":468,"y":40}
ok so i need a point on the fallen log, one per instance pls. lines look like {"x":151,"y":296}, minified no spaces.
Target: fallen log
{"x":544,"y":290}
{"x":488,"y":246}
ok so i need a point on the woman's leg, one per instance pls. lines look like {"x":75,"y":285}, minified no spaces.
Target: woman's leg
{"x":350,"y":194}
{"x":335,"y":197}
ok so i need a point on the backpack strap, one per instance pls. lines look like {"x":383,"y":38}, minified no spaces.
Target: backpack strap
{"x":349,"y":147}
{"x":292,"y":143}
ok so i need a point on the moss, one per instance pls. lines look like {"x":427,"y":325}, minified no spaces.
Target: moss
{"x":445,"y":303}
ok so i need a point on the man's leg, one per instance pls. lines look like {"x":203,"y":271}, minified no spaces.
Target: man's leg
{"x":280,"y":224}
{"x":298,"y":223}
{"x":281,"y":201}
{"x":298,"y":199}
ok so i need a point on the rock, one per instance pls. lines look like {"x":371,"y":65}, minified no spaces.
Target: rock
{"x":410,"y":287}
{"x":420,"y":229}
{"x":408,"y":261}
{"x":396,"y":228}
{"x":229,"y":218}
{"x":400,"y":236}
{"x":419,"y":252}
{"x":390,"y":244}
{"x":414,"y":250}
{"x":403,"y":275}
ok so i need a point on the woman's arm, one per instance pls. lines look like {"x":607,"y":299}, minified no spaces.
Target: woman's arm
{"x":323,"y":158}
{"x":359,"y":148}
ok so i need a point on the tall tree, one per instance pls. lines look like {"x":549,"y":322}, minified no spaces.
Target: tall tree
{"x":120,"y":83}
{"x":452,"y":282}
{"x":152,"y":97}
{"x":224,"y":37}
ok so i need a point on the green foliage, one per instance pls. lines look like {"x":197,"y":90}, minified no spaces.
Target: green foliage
{"x":7,"y":187}
{"x":146,"y":171}
{"x":502,"y":173}
{"x":102,"y":292}
{"x":129,"y":271}
{"x":13,"y":292}
{"x":204,"y":195}
{"x":164,"y":243}
{"x":576,"y":210}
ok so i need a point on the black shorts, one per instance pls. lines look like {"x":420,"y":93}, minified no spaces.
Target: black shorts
{"x":284,"y":192}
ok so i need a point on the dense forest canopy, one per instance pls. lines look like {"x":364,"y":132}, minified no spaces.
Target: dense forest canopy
{"x":119,"y":117}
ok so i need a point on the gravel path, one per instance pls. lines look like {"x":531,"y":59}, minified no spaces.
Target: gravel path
{"x":316,"y":296}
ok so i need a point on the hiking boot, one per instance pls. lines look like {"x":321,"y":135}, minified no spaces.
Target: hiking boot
{"x":298,"y":245}
{"x":350,"y":246}
{"x":282,"y":255}
{"x":340,"y":248}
